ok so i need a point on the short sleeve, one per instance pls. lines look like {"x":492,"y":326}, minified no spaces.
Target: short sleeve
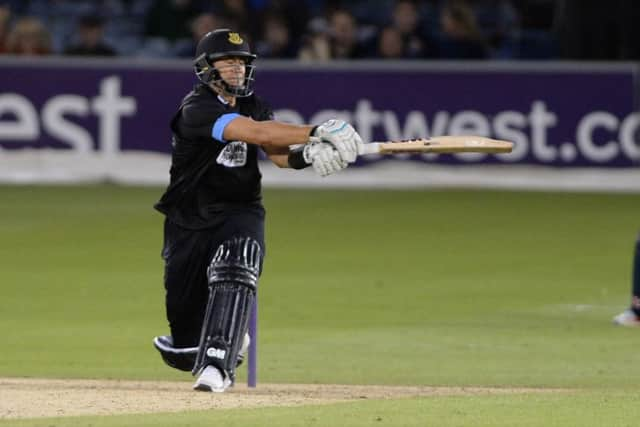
{"x":264,"y":111}
{"x":267,"y":113}
{"x":202,"y":121}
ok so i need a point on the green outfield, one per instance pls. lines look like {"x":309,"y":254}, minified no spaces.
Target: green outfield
{"x":437,"y":288}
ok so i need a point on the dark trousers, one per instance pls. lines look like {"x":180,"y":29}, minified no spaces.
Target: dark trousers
{"x":635,"y":298}
{"x":187,"y":254}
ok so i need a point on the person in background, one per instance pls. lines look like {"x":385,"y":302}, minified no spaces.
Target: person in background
{"x":275,"y":41}
{"x":315,"y":43}
{"x":405,"y":18}
{"x":5,"y":18}
{"x":169,"y":19}
{"x":28,"y":37}
{"x":343,"y":36}
{"x":201,"y":25}
{"x":90,"y":39}
{"x":631,"y":316}
{"x":238,"y":15}
{"x":460,"y":38}
{"x":390,"y":45}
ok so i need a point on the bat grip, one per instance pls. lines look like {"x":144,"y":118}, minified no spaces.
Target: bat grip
{"x":371,"y":148}
{"x":363,"y":149}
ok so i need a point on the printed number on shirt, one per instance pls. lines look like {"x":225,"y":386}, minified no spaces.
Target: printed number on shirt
{"x":233,"y":155}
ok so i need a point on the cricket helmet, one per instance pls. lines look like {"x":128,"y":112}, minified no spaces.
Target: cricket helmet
{"x":222,"y":44}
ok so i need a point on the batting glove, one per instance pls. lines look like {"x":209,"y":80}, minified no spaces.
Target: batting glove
{"x":324,"y":158}
{"x":342,"y":136}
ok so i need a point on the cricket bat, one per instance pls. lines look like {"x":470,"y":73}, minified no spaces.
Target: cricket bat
{"x":437,"y":144}
{"x":440,"y":144}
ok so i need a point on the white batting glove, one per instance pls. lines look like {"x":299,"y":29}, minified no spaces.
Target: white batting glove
{"x":342,"y":136}
{"x":324,"y":158}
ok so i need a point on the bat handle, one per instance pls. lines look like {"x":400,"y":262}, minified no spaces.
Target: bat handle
{"x":371,"y":148}
{"x":363,"y":149}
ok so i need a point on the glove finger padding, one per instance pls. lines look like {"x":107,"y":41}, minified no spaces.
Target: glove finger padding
{"x":324,"y":158}
{"x":334,"y":162}
{"x":324,"y":161}
{"x":310,"y":150}
{"x":346,"y":151}
{"x":320,"y":167}
{"x":342,"y":136}
{"x":338,"y":163}
{"x":314,"y":157}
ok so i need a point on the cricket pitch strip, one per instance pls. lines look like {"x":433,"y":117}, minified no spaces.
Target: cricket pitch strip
{"x":35,"y":398}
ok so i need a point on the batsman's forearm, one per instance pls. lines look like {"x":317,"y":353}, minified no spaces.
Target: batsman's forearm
{"x":267,"y":133}
{"x":280,"y":160}
{"x":281,"y":134}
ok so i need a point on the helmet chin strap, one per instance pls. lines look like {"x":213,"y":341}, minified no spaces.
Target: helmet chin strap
{"x":211,"y":77}
{"x":218,"y":89}
{"x":225,"y":89}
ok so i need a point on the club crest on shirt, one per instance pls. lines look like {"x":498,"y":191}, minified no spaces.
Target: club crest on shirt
{"x":233,"y":155}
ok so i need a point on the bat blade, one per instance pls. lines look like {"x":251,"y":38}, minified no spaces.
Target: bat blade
{"x":438,"y":145}
{"x":444,"y":145}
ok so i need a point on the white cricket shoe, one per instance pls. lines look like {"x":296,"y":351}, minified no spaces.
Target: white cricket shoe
{"x":627,"y":318}
{"x":212,"y":380}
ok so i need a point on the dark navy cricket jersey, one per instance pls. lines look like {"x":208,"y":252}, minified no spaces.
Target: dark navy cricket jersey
{"x":208,"y":174}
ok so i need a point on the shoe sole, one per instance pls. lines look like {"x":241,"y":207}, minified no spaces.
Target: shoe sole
{"x":208,"y":388}
{"x":627,"y":324}
{"x":627,"y":319}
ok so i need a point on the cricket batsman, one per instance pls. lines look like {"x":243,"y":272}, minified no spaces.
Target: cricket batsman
{"x":214,"y":218}
{"x":631,"y":316}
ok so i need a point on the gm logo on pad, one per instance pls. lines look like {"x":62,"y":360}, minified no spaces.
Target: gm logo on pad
{"x":216,"y":353}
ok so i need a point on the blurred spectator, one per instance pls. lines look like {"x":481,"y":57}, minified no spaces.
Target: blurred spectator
{"x":90,"y":43}
{"x":337,"y":39}
{"x":169,"y":19}
{"x":343,"y":36}
{"x":238,"y":15}
{"x":499,"y":19}
{"x":276,"y":41}
{"x":367,"y":12}
{"x":510,"y":29}
{"x":294,"y":13}
{"x":390,"y":44}
{"x":200,"y":26}
{"x":460,"y":36}
{"x":28,"y":37}
{"x":5,"y":18}
{"x":405,"y":19}
{"x":315,"y":44}
{"x":16,"y":7}
{"x":598,"y":30}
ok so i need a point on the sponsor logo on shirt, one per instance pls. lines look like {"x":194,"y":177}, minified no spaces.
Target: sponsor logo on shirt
{"x":233,"y":155}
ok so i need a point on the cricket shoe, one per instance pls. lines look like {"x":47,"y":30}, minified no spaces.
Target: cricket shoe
{"x":213,"y":380}
{"x":178,"y":358}
{"x":184,"y":358}
{"x":627,"y":318}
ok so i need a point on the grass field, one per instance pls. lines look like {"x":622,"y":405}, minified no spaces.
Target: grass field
{"x":437,"y":288}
